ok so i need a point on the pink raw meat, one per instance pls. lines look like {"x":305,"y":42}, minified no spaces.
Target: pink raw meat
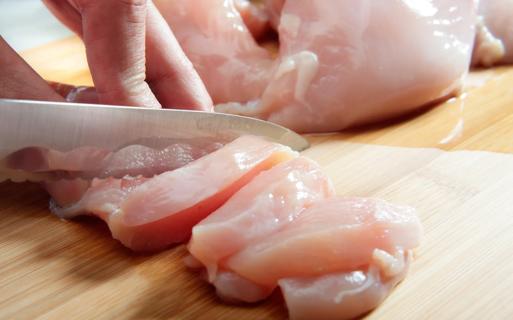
{"x":336,"y":259}
{"x":340,"y":63}
{"x":338,"y":234}
{"x":343,"y":295}
{"x":494,"y":41}
{"x":344,"y":63}
{"x":221,"y":47}
{"x":148,"y":214}
{"x":265,"y":205}
{"x":93,"y":161}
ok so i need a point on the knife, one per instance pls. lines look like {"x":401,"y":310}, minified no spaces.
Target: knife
{"x":63,"y":126}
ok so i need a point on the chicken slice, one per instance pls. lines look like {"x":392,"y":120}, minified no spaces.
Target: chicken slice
{"x":339,"y":234}
{"x":148,"y":214}
{"x":158,"y":156}
{"x":336,"y":259}
{"x":265,"y":205}
{"x":344,"y":295}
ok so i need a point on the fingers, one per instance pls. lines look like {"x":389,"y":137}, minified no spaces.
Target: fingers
{"x":114,"y":36}
{"x":19,"y":81}
{"x":66,"y":13}
{"x":133,"y":55}
{"x":169,"y":72}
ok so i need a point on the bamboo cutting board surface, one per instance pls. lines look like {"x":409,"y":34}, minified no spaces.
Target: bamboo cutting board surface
{"x":50,"y":269}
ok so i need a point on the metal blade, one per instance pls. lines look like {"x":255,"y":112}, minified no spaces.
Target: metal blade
{"x":67,"y":126}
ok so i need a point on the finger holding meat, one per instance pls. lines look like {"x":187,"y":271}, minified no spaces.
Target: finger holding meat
{"x":134,"y":59}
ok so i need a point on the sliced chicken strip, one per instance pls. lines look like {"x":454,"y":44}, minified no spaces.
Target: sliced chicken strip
{"x":265,"y":205}
{"x":148,"y":214}
{"x":338,"y":234}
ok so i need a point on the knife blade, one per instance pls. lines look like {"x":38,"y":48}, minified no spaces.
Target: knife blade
{"x":65,"y":126}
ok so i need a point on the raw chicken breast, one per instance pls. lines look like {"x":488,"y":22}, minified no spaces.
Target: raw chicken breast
{"x":222,"y":49}
{"x":37,"y":159}
{"x":494,"y":42}
{"x":344,"y":63}
{"x":343,"y":295}
{"x":336,"y":259}
{"x":265,"y":205}
{"x":148,"y":214}
{"x":163,"y":155}
{"x":339,"y":234}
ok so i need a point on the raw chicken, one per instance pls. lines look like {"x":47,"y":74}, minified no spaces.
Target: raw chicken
{"x":340,"y":63}
{"x":163,"y":155}
{"x":39,"y":159}
{"x":266,"y":204}
{"x":148,"y":214}
{"x":344,"y":295}
{"x":334,"y":235}
{"x":274,"y":222}
{"x":494,"y":40}
{"x":222,"y":49}
{"x":336,"y":259}
{"x":344,"y":63}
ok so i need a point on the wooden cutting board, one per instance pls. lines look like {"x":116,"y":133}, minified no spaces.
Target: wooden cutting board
{"x":52,"y":269}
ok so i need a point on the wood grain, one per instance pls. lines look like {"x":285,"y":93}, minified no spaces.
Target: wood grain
{"x":52,"y":269}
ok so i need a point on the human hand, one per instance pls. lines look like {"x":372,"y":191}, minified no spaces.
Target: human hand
{"x":19,"y":81}
{"x":132,"y":53}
